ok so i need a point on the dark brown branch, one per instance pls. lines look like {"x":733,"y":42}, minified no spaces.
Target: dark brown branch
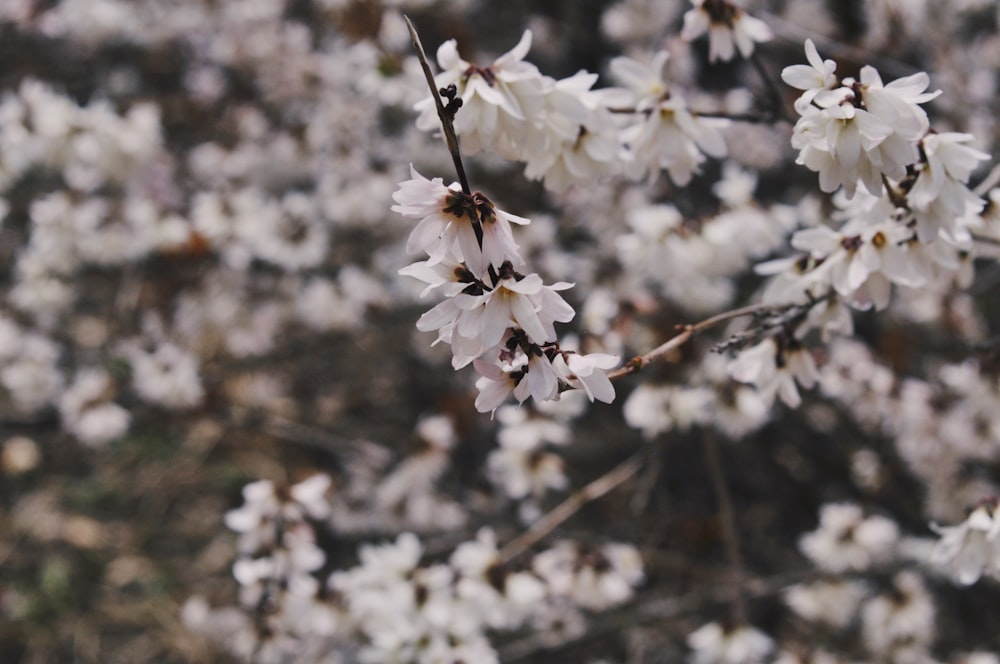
{"x":447,"y":125}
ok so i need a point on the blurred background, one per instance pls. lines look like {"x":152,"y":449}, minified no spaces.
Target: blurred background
{"x":199,"y":289}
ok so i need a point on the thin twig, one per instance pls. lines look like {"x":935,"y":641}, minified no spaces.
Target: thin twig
{"x":775,"y":100}
{"x":637,"y":363}
{"x":752,"y":118}
{"x":447,"y":126}
{"x":570,"y":506}
{"x":730,"y":536}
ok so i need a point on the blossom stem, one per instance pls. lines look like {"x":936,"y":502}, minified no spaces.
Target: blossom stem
{"x":571,"y":505}
{"x":447,"y":125}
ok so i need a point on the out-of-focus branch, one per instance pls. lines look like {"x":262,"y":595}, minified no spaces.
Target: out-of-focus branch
{"x":727,"y":518}
{"x":570,"y":506}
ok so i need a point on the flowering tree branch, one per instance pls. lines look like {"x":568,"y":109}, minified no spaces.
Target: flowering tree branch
{"x":446,"y":113}
{"x":637,"y":363}
{"x":602,"y":485}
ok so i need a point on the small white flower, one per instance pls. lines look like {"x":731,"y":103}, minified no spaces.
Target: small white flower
{"x":729,"y":28}
{"x":711,"y":644}
{"x":500,"y":102}
{"x":900,"y":626}
{"x":862,"y":266}
{"x":448,"y":222}
{"x":846,"y":540}
{"x":815,"y":78}
{"x":773,"y":366}
{"x":972,"y":548}
{"x":898,"y":102}
{"x":665,"y":134}
{"x":834,"y":603}
{"x":588,"y":372}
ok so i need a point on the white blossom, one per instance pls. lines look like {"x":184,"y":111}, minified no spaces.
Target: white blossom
{"x":500,"y":102}
{"x":729,"y":28}
{"x":846,"y":540}
{"x":712,"y":644}
{"x":774,"y":367}
{"x":972,"y":548}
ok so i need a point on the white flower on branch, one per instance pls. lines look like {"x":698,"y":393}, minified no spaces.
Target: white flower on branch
{"x":500,"y":102}
{"x":449,"y":220}
{"x":588,"y":372}
{"x":773,"y":366}
{"x":729,"y":28}
{"x":899,"y":626}
{"x":838,"y":141}
{"x":578,"y":142}
{"x":972,"y":548}
{"x":940,"y":196}
{"x":860,"y":130}
{"x":596,"y":578}
{"x":815,"y":78}
{"x":665,"y":133}
{"x":862,"y":266}
{"x":833,"y":603}
{"x":88,"y":412}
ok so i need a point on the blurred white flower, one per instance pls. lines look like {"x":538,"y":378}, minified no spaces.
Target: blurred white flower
{"x":972,"y":548}
{"x":664,"y":134}
{"x":729,"y":28}
{"x":899,"y":626}
{"x":847,"y":541}
{"x":711,"y":644}
{"x":774,"y":366}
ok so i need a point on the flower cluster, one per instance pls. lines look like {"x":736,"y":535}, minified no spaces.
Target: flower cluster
{"x":562,"y":129}
{"x":400,"y":610}
{"x":855,"y":131}
{"x":495,"y":317}
{"x":666,"y":134}
{"x":568,"y":133}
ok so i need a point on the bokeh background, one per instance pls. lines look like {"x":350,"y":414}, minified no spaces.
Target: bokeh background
{"x":194,"y":208}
